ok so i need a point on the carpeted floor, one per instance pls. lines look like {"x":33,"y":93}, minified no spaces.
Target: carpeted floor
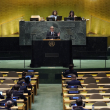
{"x":48,"y":98}
{"x":78,"y":63}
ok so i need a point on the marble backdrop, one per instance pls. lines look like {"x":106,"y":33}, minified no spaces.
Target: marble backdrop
{"x":74,"y":30}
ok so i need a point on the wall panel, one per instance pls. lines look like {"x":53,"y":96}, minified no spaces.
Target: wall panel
{"x":99,"y":9}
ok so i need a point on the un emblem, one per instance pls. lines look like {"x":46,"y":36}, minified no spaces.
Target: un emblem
{"x":51,"y":43}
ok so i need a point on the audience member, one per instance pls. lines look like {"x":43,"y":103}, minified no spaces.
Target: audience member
{"x":9,"y":96}
{"x":70,"y":71}
{"x":8,"y":105}
{"x":18,"y":93}
{"x":27,"y":83}
{"x":23,"y":76}
{"x":74,"y":81}
{"x":23,"y":88}
{"x":79,"y":103}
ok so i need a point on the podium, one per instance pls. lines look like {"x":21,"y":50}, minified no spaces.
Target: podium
{"x":51,"y":52}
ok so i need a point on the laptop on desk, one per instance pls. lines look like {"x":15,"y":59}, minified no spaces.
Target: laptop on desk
{"x":69,"y":19}
{"x":59,"y":18}
{"x":50,"y":19}
{"x":34,"y":19}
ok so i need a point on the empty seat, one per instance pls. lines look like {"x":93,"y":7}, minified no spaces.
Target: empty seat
{"x":104,"y":80}
{"x":96,"y":96}
{"x":92,"y":85}
{"x":87,"y":75}
{"x":93,"y":91}
{"x":89,"y":80}
{"x":106,"y":86}
{"x":8,"y":81}
{"x":12,"y":74}
{"x":104,"y":109}
{"x":4,"y":86}
{"x":107,"y":91}
{"x":101,"y":75}
{"x":1,"y":75}
{"x":100,"y":103}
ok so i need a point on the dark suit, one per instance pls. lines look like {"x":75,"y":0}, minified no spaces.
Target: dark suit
{"x":20,"y":95}
{"x":1,"y":96}
{"x":27,"y":85}
{"x":74,"y":82}
{"x":52,"y":36}
{"x":24,"y":88}
{"x":70,"y":72}
{"x":13,"y":101}
{"x":81,"y":108}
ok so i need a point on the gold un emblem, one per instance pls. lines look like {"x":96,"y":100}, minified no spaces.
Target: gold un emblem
{"x":51,"y":43}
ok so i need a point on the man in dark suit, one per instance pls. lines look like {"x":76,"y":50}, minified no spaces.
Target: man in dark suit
{"x":17,"y":92}
{"x":52,"y":34}
{"x":23,"y":76}
{"x":74,"y":81}
{"x":23,"y":88}
{"x":9,"y":96}
{"x":70,"y":71}
{"x":79,"y":103}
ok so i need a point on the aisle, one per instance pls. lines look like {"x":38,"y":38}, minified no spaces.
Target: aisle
{"x":48,"y":98}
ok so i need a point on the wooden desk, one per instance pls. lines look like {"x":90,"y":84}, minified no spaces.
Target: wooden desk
{"x":28,"y":102}
{"x":66,"y":105}
{"x":20,"y":106}
{"x":82,"y":78}
{"x":103,"y":94}
{"x":35,"y":74}
{"x":87,"y":100}
{"x":86,"y":89}
{"x":34,"y":84}
{"x":4,"y":72}
{"x":90,"y":72}
{"x":99,"y":84}
{"x":86,"y":107}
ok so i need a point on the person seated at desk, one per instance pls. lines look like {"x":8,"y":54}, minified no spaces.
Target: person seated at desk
{"x":54,"y":14}
{"x":79,"y":103}
{"x":70,"y":71}
{"x":8,"y":105}
{"x":74,"y":81}
{"x":52,"y":34}
{"x":18,"y":93}
{"x":27,"y":83}
{"x":9,"y":96}
{"x":23,"y":88}
{"x":23,"y":76}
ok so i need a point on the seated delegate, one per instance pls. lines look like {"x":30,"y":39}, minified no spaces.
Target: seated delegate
{"x":71,"y":15}
{"x":74,"y":81}
{"x":79,"y":104}
{"x":17,"y":92}
{"x":54,"y":14}
{"x":70,"y":71}
{"x":52,"y":34}
{"x":9,"y":96}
